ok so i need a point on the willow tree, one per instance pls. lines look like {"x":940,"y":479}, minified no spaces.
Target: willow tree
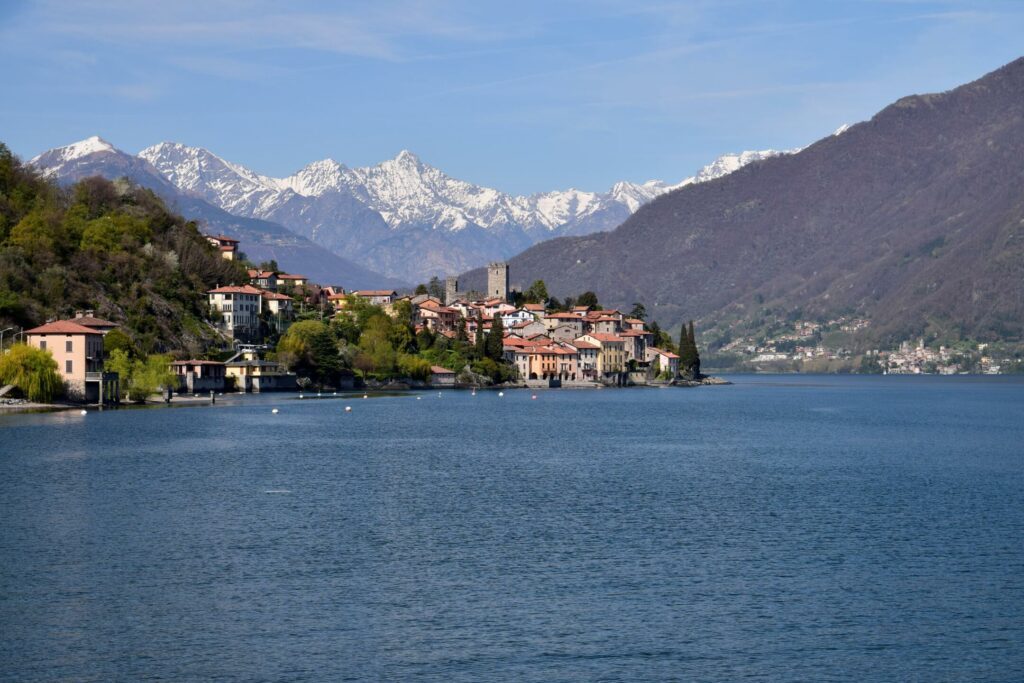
{"x":33,"y":371}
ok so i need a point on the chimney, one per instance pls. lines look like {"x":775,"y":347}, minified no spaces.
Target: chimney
{"x":79,"y":314}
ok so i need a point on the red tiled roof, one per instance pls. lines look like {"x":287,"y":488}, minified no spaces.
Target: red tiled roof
{"x":260,"y":274}
{"x":438,"y":370}
{"x":633,"y":333}
{"x":286,"y":276}
{"x":634,"y":321}
{"x":375,"y":292}
{"x":605,"y":337}
{"x":275,"y":296}
{"x":563,"y":316}
{"x":234,"y":289}
{"x":223,"y":238}
{"x":534,"y":307}
{"x":62,"y":327}
{"x":197,"y":362}
{"x":579,"y":344}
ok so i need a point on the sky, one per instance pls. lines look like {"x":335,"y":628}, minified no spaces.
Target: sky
{"x":521,"y":96}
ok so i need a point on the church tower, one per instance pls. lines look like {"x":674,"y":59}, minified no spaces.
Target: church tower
{"x":451,"y":289}
{"x":497,"y":281}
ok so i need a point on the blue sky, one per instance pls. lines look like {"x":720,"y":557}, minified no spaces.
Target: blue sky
{"x":522,"y":96}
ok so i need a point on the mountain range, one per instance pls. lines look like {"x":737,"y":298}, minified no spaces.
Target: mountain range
{"x":261,"y":240}
{"x":913,"y":219}
{"x":403,"y":218}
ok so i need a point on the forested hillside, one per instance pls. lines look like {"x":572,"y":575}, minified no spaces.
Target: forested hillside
{"x":108,"y":246}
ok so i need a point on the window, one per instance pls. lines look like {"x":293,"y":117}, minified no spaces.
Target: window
{"x":69,"y":346}
{"x":67,"y":367}
{"x":42,"y":344}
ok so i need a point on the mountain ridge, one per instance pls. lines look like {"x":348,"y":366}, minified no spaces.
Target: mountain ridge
{"x":914,"y":219}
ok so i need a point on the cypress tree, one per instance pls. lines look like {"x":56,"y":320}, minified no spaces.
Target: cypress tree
{"x":695,"y":365}
{"x":496,"y":339}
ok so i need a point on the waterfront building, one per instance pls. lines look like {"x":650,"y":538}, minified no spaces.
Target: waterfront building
{"x":78,"y":351}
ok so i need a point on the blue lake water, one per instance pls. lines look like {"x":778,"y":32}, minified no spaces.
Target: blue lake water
{"x":784,"y":528}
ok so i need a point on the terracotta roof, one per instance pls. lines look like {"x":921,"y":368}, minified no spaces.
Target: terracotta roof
{"x":534,"y":307}
{"x":605,"y":337}
{"x":375,"y":292}
{"x":275,"y":296}
{"x":62,"y":327}
{"x":286,"y":276}
{"x":563,"y":316}
{"x":197,"y":362}
{"x":222,"y":238}
{"x":438,"y":370}
{"x":579,"y":344}
{"x":633,"y":333}
{"x":227,"y":247}
{"x":634,"y":321}
{"x":260,"y":274}
{"x":234,"y":289}
{"x":337,"y":297}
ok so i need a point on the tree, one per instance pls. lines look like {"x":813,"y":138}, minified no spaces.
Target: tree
{"x":310,"y":349}
{"x":537,"y":293}
{"x":461,"y":335}
{"x":496,"y":340}
{"x":639,"y":311}
{"x":140,"y":379}
{"x":436,"y":288}
{"x":420,"y":289}
{"x":33,"y":371}
{"x":588,"y":299}
{"x":689,"y":358}
{"x":270,"y":265}
{"x":115,"y":340}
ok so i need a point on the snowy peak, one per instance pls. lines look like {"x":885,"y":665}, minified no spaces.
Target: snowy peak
{"x":728,"y":163}
{"x":77,"y":150}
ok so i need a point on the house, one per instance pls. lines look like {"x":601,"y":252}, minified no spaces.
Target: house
{"x":526,"y":329}
{"x":633,"y":324}
{"x":251,"y":374}
{"x":514,"y":317}
{"x":78,"y":351}
{"x":239,"y":309}
{"x":636,"y":344}
{"x":87,"y":319}
{"x":663,"y":360}
{"x":199,"y":376}
{"x":435,"y":316}
{"x":289,"y":281}
{"x":553,"y":320}
{"x":279,"y":304}
{"x":564,"y":333}
{"x":228,"y":246}
{"x":605,"y":324}
{"x":442,"y":377}
{"x":264,"y":279}
{"x":377,"y":297}
{"x":536,"y":310}
{"x":611,"y":355}
{"x":586,"y":358}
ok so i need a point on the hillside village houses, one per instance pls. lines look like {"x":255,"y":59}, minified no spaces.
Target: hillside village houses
{"x":581,"y":345}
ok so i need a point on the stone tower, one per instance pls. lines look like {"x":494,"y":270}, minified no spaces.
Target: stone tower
{"x":451,"y":289}
{"x":497,"y":280}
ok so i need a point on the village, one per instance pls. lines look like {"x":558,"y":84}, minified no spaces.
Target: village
{"x":584,"y":346}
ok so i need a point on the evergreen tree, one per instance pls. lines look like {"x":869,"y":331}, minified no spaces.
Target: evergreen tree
{"x":588,"y":299}
{"x":436,"y":288}
{"x":420,"y":289}
{"x":695,"y":366}
{"x":496,"y":339}
{"x":480,"y":347}
{"x":460,"y":331}
{"x":639,"y":311}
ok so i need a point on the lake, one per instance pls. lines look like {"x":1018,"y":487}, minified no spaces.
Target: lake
{"x":783,"y":528}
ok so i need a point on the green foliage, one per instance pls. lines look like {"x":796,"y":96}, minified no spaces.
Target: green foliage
{"x":310,"y":349}
{"x":639,"y":311}
{"x":117,"y":340}
{"x":537,"y":293}
{"x":140,"y":378}
{"x":32,"y":370}
{"x":689,"y":357}
{"x":414,"y":367}
{"x":421,"y":289}
{"x":587,"y":299}
{"x":495,"y":340}
{"x":106,"y":246}
{"x":436,"y":288}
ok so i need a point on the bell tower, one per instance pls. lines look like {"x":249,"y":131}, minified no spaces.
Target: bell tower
{"x":497,"y":280}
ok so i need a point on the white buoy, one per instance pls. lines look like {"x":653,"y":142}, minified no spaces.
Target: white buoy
{"x":85,"y":412}
{"x":366,"y":396}
{"x":501,"y":393}
{"x":419,"y":398}
{"x":318,"y":394}
{"x":534,"y":397}
{"x":300,"y":395}
{"x":439,"y":394}
{"x":274,"y":411}
{"x":335,"y":393}
{"x":348,"y":409}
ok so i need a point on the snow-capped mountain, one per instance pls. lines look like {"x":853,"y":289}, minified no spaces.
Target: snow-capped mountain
{"x":402,"y":217}
{"x":379,"y":213}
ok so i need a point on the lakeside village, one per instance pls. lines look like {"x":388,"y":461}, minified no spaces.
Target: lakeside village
{"x":825,"y":346}
{"x":281,"y":332}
